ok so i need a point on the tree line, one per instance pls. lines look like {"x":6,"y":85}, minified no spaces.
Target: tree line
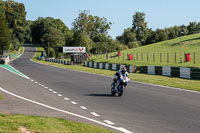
{"x":87,"y":30}
{"x":13,"y":25}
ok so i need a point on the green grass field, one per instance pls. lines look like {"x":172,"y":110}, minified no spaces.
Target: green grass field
{"x":12,"y":123}
{"x":160,"y":54}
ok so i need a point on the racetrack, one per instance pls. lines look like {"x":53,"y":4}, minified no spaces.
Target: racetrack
{"x":143,"y":108}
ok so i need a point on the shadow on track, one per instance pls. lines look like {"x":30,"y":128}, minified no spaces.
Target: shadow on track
{"x":99,"y":95}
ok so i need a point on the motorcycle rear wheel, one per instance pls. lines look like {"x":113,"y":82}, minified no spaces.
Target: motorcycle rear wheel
{"x":112,"y":91}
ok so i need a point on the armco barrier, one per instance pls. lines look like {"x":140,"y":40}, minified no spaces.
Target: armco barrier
{"x":181,"y":72}
{"x":108,"y":66}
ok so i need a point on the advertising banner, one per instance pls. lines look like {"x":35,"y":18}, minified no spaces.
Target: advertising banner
{"x":74,"y":49}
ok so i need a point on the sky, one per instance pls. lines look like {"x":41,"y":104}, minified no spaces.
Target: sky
{"x":158,"y":13}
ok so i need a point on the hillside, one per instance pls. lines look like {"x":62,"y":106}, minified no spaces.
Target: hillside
{"x":159,"y":54}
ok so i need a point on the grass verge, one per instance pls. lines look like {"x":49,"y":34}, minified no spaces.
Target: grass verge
{"x":21,"y":50}
{"x":12,"y":123}
{"x":1,"y":97}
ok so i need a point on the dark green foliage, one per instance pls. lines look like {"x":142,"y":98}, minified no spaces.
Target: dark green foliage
{"x":140,"y":27}
{"x":16,"y":19}
{"x":42,"y":25}
{"x":5,"y":36}
{"x":92,"y":32}
{"x":15,"y":16}
{"x":53,"y":33}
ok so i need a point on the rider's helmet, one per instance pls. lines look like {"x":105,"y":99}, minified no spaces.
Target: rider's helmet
{"x":123,"y":69}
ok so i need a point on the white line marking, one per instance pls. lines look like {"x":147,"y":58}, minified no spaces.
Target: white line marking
{"x":83,"y":107}
{"x":73,"y":102}
{"x":36,"y":82}
{"x":50,"y":90}
{"x":109,"y":122}
{"x":32,"y":80}
{"x":55,"y":92}
{"x":46,"y":87}
{"x":67,"y":99}
{"x":67,"y":112}
{"x":40,"y":84}
{"x":124,"y":130}
{"x":59,"y":95}
{"x":95,"y":114}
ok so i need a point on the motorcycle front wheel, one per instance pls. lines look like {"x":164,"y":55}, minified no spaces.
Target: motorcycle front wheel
{"x":120,"y":92}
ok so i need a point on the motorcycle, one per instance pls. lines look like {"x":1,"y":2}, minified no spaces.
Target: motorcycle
{"x":118,"y":86}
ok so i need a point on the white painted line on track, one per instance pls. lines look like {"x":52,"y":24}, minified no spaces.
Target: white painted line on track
{"x":32,"y":80}
{"x":67,"y":99}
{"x":95,"y":114}
{"x":59,"y":95}
{"x":40,"y":84}
{"x":50,"y":90}
{"x":46,"y":87}
{"x":55,"y":92}
{"x":83,"y":107}
{"x":109,"y":122}
{"x":67,"y":112}
{"x":36,"y":82}
{"x":74,"y":102}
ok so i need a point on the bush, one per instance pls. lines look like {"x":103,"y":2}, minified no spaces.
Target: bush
{"x":52,"y":53}
{"x":59,"y":55}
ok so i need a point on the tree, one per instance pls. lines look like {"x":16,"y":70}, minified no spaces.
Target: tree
{"x":139,"y":27}
{"x":5,"y":36}
{"x":53,"y":38}
{"x":90,"y":28}
{"x":16,"y":18}
{"x":41,"y":25}
{"x":192,"y":28}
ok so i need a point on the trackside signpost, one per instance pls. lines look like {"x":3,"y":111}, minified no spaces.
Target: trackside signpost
{"x":78,"y":54}
{"x":74,"y":50}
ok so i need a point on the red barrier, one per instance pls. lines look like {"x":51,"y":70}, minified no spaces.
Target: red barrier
{"x":130,"y":57}
{"x":187,"y":57}
{"x":119,"y":53}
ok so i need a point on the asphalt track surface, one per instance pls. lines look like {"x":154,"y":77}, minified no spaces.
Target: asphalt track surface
{"x":143,"y":108}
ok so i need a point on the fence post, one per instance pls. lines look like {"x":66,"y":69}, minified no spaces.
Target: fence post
{"x":184,"y":58}
{"x":175,"y":57}
{"x":167,"y":58}
{"x":142,"y":56}
{"x":160,"y":57}
{"x":194,"y":57}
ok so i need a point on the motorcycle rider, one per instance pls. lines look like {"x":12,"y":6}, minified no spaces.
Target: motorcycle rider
{"x":122,"y":72}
